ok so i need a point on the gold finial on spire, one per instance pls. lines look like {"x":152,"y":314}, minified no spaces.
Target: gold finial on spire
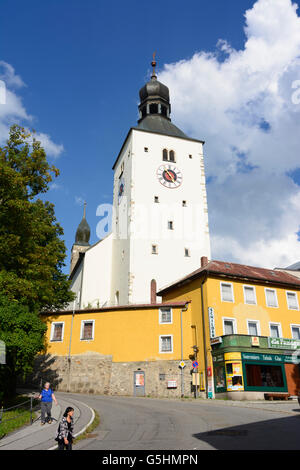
{"x":153,"y":63}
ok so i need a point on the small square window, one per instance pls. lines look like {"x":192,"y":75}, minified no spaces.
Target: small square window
{"x":228,"y":327}
{"x":165,"y":315}
{"x":226,"y":292}
{"x":145,"y":149}
{"x":156,"y":199}
{"x":190,"y":156}
{"x":166,"y":344}
{"x":292,"y":300}
{"x":274,"y":331}
{"x":187,"y":252}
{"x":170,"y":225}
{"x":183,"y":203}
{"x":271,"y":298}
{"x":296,"y":332}
{"x":87,"y":330}
{"x":249,"y":295}
{"x":57,"y":331}
{"x":253,"y":328}
{"x":154,"y":250}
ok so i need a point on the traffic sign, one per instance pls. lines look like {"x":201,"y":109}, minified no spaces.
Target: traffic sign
{"x":182,"y":364}
{"x":195,"y":364}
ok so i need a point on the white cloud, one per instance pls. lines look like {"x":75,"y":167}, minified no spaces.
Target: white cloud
{"x":240,"y":102}
{"x":12,"y":110}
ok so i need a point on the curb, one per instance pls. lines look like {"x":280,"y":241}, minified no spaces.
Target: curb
{"x":84,"y":428}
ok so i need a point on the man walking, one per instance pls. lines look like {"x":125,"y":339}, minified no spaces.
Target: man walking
{"x":46,"y":396}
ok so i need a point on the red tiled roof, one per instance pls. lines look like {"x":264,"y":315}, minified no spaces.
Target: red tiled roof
{"x":234,"y":270}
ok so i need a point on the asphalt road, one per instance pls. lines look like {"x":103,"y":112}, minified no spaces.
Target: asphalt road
{"x":154,"y":424}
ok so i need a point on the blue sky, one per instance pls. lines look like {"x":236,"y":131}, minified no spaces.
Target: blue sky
{"x":82,"y":64}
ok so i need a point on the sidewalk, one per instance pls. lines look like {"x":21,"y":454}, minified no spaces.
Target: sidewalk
{"x":37,"y":437}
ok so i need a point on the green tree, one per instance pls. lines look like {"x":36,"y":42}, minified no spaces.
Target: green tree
{"x":32,"y":252}
{"x":23,"y":334}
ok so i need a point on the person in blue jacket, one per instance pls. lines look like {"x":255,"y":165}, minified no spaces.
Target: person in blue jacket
{"x":46,"y":396}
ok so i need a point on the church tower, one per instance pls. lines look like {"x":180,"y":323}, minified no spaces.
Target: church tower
{"x":82,"y":239}
{"x":160,"y":220}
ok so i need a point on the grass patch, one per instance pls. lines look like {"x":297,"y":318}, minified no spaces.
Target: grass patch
{"x":17,"y":417}
{"x":89,"y":430}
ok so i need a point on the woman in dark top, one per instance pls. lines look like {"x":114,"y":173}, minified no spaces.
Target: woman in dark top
{"x":64,"y":435}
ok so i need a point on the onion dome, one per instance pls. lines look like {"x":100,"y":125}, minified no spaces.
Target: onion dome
{"x":83,"y":231}
{"x":154,"y":97}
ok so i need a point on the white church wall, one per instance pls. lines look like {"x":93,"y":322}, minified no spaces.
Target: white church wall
{"x":97,"y":271}
{"x":190,"y":223}
{"x":120,"y":284}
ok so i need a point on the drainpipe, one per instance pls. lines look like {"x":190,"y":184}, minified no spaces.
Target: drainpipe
{"x":181,"y":369}
{"x":204,"y":338}
{"x":69,"y":356}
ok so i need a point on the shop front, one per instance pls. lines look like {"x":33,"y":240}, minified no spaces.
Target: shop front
{"x":244,"y":371}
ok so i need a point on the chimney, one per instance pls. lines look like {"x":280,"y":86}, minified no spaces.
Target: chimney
{"x":153,"y":291}
{"x":204,"y":261}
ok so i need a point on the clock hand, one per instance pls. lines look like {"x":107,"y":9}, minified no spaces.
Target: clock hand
{"x":170,"y":176}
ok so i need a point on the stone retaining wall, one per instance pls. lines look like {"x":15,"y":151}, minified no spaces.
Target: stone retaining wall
{"x":96,"y":373}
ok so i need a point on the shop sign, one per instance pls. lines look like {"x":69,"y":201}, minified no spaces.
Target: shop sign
{"x":140,"y":380}
{"x":255,"y":341}
{"x":284,"y":343}
{"x":219,"y":358}
{"x":211,"y":317}
{"x":172,"y":384}
{"x":216,"y":340}
{"x":263,"y":357}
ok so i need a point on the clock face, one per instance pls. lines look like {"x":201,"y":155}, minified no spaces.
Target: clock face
{"x":121,"y":189}
{"x":169,"y":176}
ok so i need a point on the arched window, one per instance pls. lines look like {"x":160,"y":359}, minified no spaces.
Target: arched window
{"x":172,"y":156}
{"x":165,"y":155}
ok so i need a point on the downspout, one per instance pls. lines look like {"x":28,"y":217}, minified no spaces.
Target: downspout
{"x":204,"y":337}
{"x":181,"y":369}
{"x":69,"y":356}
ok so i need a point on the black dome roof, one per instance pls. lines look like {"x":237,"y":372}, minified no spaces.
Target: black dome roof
{"x":154,"y":88}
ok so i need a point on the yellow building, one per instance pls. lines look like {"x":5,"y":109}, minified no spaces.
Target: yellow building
{"x":251,"y":331}
{"x":130,"y":350}
{"x":236,"y":328}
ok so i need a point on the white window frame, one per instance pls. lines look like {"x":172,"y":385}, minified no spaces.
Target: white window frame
{"x":273,"y":323}
{"x":228,"y":283}
{"x":291,"y":292}
{"x":271,"y":306}
{"x":160,"y":344}
{"x":82,"y":327}
{"x":233,"y":322}
{"x":252,"y":287}
{"x":52,"y":331}
{"x":294,"y":326}
{"x":160,"y":316}
{"x":257,"y":326}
